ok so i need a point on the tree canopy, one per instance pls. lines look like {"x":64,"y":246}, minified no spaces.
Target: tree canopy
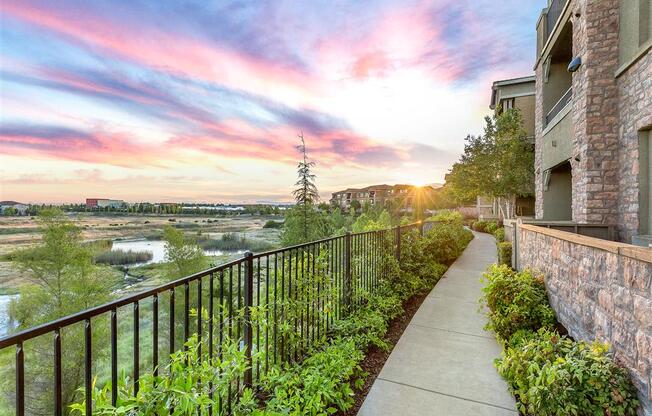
{"x":498,"y":163}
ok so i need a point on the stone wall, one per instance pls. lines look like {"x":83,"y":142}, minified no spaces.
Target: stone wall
{"x":635,"y":105}
{"x":599,"y":290}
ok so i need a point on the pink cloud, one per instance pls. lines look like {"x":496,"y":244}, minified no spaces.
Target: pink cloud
{"x":170,"y":52}
{"x":98,"y":146}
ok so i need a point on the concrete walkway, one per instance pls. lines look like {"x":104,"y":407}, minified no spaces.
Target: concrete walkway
{"x":443,"y":363}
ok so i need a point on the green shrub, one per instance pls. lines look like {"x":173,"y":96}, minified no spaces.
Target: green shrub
{"x":479,"y":225}
{"x":187,"y":384}
{"x":552,"y":375}
{"x":273,"y":224}
{"x":491,"y":227}
{"x":516,"y":300}
{"x":505,"y":253}
{"x":485,"y":226}
{"x":447,"y":216}
{"x":319,"y":385}
{"x":445,"y":242}
{"x":500,"y":235}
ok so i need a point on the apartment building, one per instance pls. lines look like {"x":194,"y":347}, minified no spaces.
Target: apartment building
{"x":593,"y":114}
{"x":517,"y":93}
{"x":407,"y":197}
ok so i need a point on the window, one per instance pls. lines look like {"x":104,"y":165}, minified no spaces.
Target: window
{"x":635,"y":28}
{"x":508,"y":104}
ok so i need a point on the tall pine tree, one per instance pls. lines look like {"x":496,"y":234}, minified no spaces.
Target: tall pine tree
{"x":305,"y":194}
{"x":304,"y":222}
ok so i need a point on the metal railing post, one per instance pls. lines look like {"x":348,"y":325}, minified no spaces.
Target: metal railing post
{"x":421,"y":228}
{"x":347,"y":271}
{"x":398,"y":243}
{"x":248,"y":303}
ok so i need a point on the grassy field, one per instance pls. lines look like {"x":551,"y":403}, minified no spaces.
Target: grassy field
{"x":20,"y":232}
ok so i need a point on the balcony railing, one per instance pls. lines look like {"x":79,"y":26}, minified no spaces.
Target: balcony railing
{"x":553,"y":15}
{"x":337,"y":271}
{"x":556,"y":109}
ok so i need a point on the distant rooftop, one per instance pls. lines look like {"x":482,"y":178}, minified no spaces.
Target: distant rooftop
{"x":520,"y":80}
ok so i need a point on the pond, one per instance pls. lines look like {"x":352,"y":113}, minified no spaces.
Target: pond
{"x":5,"y":323}
{"x":157,"y":248}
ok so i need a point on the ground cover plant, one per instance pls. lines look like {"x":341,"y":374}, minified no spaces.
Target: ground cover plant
{"x":548,"y":373}
{"x":505,"y":253}
{"x":516,"y":301}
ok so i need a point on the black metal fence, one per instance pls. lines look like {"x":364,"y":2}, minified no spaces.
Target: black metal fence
{"x":320,"y":280}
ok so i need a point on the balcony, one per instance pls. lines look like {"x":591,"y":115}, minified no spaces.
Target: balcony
{"x":560,"y":105}
{"x":557,"y":139}
{"x":548,"y":21}
{"x":553,"y":15}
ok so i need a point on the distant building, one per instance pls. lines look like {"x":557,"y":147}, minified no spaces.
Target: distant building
{"x":404,"y":196}
{"x":98,"y":203}
{"x":516,"y":93}
{"x":21,"y":209}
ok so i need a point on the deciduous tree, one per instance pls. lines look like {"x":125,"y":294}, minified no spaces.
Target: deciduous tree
{"x":499,"y":163}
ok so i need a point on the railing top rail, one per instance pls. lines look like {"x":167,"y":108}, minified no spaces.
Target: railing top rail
{"x":563,"y":101}
{"x":98,"y":310}
{"x":553,"y":15}
{"x":51,"y":326}
{"x":296,"y":246}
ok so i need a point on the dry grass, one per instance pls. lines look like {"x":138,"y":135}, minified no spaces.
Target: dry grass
{"x":20,"y":232}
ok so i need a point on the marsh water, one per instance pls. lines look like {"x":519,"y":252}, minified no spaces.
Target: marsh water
{"x":157,"y":248}
{"x":5,"y":323}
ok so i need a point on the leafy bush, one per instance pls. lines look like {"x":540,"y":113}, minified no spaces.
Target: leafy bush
{"x":485,"y":226}
{"x":273,"y":224}
{"x":479,"y":225}
{"x":500,"y":235}
{"x":491,"y":227}
{"x":319,"y":385}
{"x":516,"y":300}
{"x":367,"y":325}
{"x":505,"y":253}
{"x":445,"y":242}
{"x":447,"y":216}
{"x":553,"y":375}
{"x":185,"y":385}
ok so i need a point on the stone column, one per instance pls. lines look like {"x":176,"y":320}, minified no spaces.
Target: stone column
{"x":595,"y":112}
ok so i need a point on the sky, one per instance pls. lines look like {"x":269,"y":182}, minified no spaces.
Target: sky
{"x":175,"y":101}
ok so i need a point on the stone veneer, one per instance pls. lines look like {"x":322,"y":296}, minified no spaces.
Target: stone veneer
{"x":599,"y":290}
{"x":607,"y":113}
{"x":635,"y":98}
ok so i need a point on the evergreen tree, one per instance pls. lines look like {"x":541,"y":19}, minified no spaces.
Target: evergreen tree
{"x":305,"y":194}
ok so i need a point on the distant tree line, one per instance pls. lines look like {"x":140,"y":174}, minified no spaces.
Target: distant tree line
{"x":219,"y":210}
